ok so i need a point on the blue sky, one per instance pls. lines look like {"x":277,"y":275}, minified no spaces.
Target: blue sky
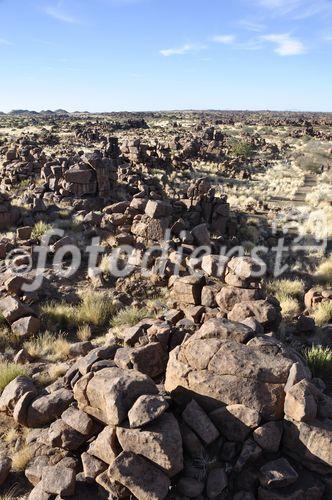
{"x":112,"y":55}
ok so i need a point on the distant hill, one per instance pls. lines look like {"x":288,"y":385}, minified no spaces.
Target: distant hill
{"x":18,"y":112}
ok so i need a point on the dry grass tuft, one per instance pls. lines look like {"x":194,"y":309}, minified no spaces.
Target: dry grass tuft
{"x":58,"y":315}
{"x":291,"y":288}
{"x":48,"y":346}
{"x":323,"y":313}
{"x":11,"y":435}
{"x":84,"y":333}
{"x":129,"y":316}
{"x":9,"y":371}
{"x":21,"y":458}
{"x":95,"y":308}
{"x":323,"y":272}
{"x":39,"y":229}
{"x":319,"y":360}
{"x":290,"y":306}
{"x":12,"y":494}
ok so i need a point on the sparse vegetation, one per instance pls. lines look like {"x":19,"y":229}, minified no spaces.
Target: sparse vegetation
{"x":288,"y":292}
{"x":290,"y":306}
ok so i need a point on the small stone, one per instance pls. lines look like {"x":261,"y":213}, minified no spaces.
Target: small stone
{"x":277,"y":474}
{"x":26,"y":327}
{"x":235,"y":422}
{"x":190,"y":487}
{"x":58,"y":480}
{"x":146,"y":409}
{"x":78,"y":420}
{"x":300,"y":403}
{"x":198,"y":420}
{"x":92,"y":466}
{"x":141,"y":477}
{"x":105,"y":445}
{"x":268,"y":436}
{"x":216,"y":482}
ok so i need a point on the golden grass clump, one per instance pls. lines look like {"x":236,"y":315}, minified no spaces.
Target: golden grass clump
{"x":58,"y":315}
{"x":21,"y":458}
{"x":290,"y":306}
{"x":323,"y":272}
{"x":323,"y":313}
{"x":39,"y":229}
{"x":129,"y":316}
{"x":286,"y":287}
{"x":48,"y":346}
{"x":95,"y":308}
{"x":84,"y":333}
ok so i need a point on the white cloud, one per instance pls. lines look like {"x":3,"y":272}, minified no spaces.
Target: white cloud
{"x":184,"y":49}
{"x":60,"y":15}
{"x":3,"y":41}
{"x":251,"y":25}
{"x":297,"y":9}
{"x":285,"y":44}
{"x":225,"y":39}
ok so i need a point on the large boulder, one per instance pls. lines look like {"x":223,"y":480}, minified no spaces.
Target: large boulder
{"x":309,"y":444}
{"x":266,"y":313}
{"x":224,"y":372}
{"x":14,"y":391}
{"x":159,"y":441}
{"x":109,"y":394}
{"x":224,"y":329}
{"x":48,"y":408}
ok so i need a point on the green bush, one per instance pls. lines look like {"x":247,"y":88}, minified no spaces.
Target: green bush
{"x":242,"y":148}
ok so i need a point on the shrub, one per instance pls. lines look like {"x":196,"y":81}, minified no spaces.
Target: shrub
{"x":323,"y":313}
{"x":242,"y":148}
{"x":319,"y":360}
{"x":9,"y":371}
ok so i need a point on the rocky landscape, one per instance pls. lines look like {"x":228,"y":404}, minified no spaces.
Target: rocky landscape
{"x":157,"y":341}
